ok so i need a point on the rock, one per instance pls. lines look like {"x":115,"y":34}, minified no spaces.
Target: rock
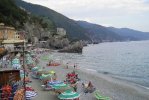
{"x":73,"y":48}
{"x":58,"y":43}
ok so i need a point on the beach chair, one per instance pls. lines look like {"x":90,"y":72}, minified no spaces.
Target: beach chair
{"x":98,"y":96}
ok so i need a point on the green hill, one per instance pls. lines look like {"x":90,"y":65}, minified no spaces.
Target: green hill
{"x":100,"y":33}
{"x":11,"y":15}
{"x":74,"y":31}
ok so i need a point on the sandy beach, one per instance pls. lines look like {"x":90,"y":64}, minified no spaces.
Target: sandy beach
{"x":108,"y":86}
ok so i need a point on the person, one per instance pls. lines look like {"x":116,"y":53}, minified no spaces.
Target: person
{"x":67,"y":66}
{"x":49,"y":63}
{"x":90,"y":87}
{"x":74,"y":66}
{"x":84,"y":89}
{"x":74,"y":84}
{"x":77,"y":78}
{"x":54,"y":76}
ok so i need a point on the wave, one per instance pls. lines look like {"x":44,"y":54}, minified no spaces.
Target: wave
{"x":91,"y":70}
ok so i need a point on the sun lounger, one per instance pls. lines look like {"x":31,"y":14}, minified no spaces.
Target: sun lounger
{"x":98,"y":96}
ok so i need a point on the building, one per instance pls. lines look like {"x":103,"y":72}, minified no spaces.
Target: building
{"x":61,"y":31}
{"x":7,"y":33}
{"x":9,"y":36}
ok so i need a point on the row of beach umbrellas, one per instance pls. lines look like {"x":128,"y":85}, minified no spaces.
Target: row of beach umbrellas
{"x":16,"y":63}
{"x":55,"y":84}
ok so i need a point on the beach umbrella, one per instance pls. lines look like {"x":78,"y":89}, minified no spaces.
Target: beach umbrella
{"x":41,"y":71}
{"x":22,"y":75}
{"x":54,"y":82}
{"x":60,"y":86}
{"x":35,"y":68}
{"x":16,"y":61}
{"x":32,"y":53}
{"x":30,"y":95}
{"x":45,"y":76}
{"x":16,"y":66}
{"x":69,"y":94}
{"x":30,"y":61}
{"x":45,"y":58}
{"x":52,"y":72}
{"x":27,"y":55}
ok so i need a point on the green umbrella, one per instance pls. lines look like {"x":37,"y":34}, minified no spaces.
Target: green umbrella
{"x":51,"y":72}
{"x":29,"y":60}
{"x":45,"y":76}
{"x":60,"y":86}
{"x":45,"y":58}
{"x":16,"y":61}
{"x":35,"y":68}
{"x":27,"y":55}
{"x":69,"y":94}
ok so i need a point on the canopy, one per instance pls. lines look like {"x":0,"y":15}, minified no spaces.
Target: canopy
{"x":69,"y":94}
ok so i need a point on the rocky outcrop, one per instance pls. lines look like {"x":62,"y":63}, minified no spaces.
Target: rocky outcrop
{"x":57,"y":43}
{"x":73,"y":48}
{"x":53,"y":40}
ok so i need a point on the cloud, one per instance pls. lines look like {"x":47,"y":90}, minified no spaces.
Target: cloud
{"x":100,"y":11}
{"x":86,"y":7}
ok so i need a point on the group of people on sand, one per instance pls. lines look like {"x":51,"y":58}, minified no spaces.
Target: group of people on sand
{"x":72,"y":78}
{"x":74,"y":66}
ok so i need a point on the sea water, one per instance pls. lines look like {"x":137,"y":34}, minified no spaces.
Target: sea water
{"x":124,"y":60}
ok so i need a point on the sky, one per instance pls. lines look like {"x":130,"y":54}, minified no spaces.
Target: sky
{"x":117,"y":13}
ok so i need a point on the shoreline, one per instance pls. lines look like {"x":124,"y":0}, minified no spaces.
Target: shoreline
{"x":116,"y":77}
{"x":130,"y":79}
{"x":127,"y":86}
{"x":108,"y":86}
{"x":112,"y":78}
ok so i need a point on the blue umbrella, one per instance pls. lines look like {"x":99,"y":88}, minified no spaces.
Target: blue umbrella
{"x":30,"y":94}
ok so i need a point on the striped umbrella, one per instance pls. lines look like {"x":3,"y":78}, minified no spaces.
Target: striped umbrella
{"x":30,"y":95}
{"x":69,"y":94}
{"x":54,"y":82}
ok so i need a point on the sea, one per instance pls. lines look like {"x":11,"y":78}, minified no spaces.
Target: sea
{"x":124,"y":60}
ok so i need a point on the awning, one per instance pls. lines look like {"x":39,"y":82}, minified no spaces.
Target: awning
{"x":14,"y":41}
